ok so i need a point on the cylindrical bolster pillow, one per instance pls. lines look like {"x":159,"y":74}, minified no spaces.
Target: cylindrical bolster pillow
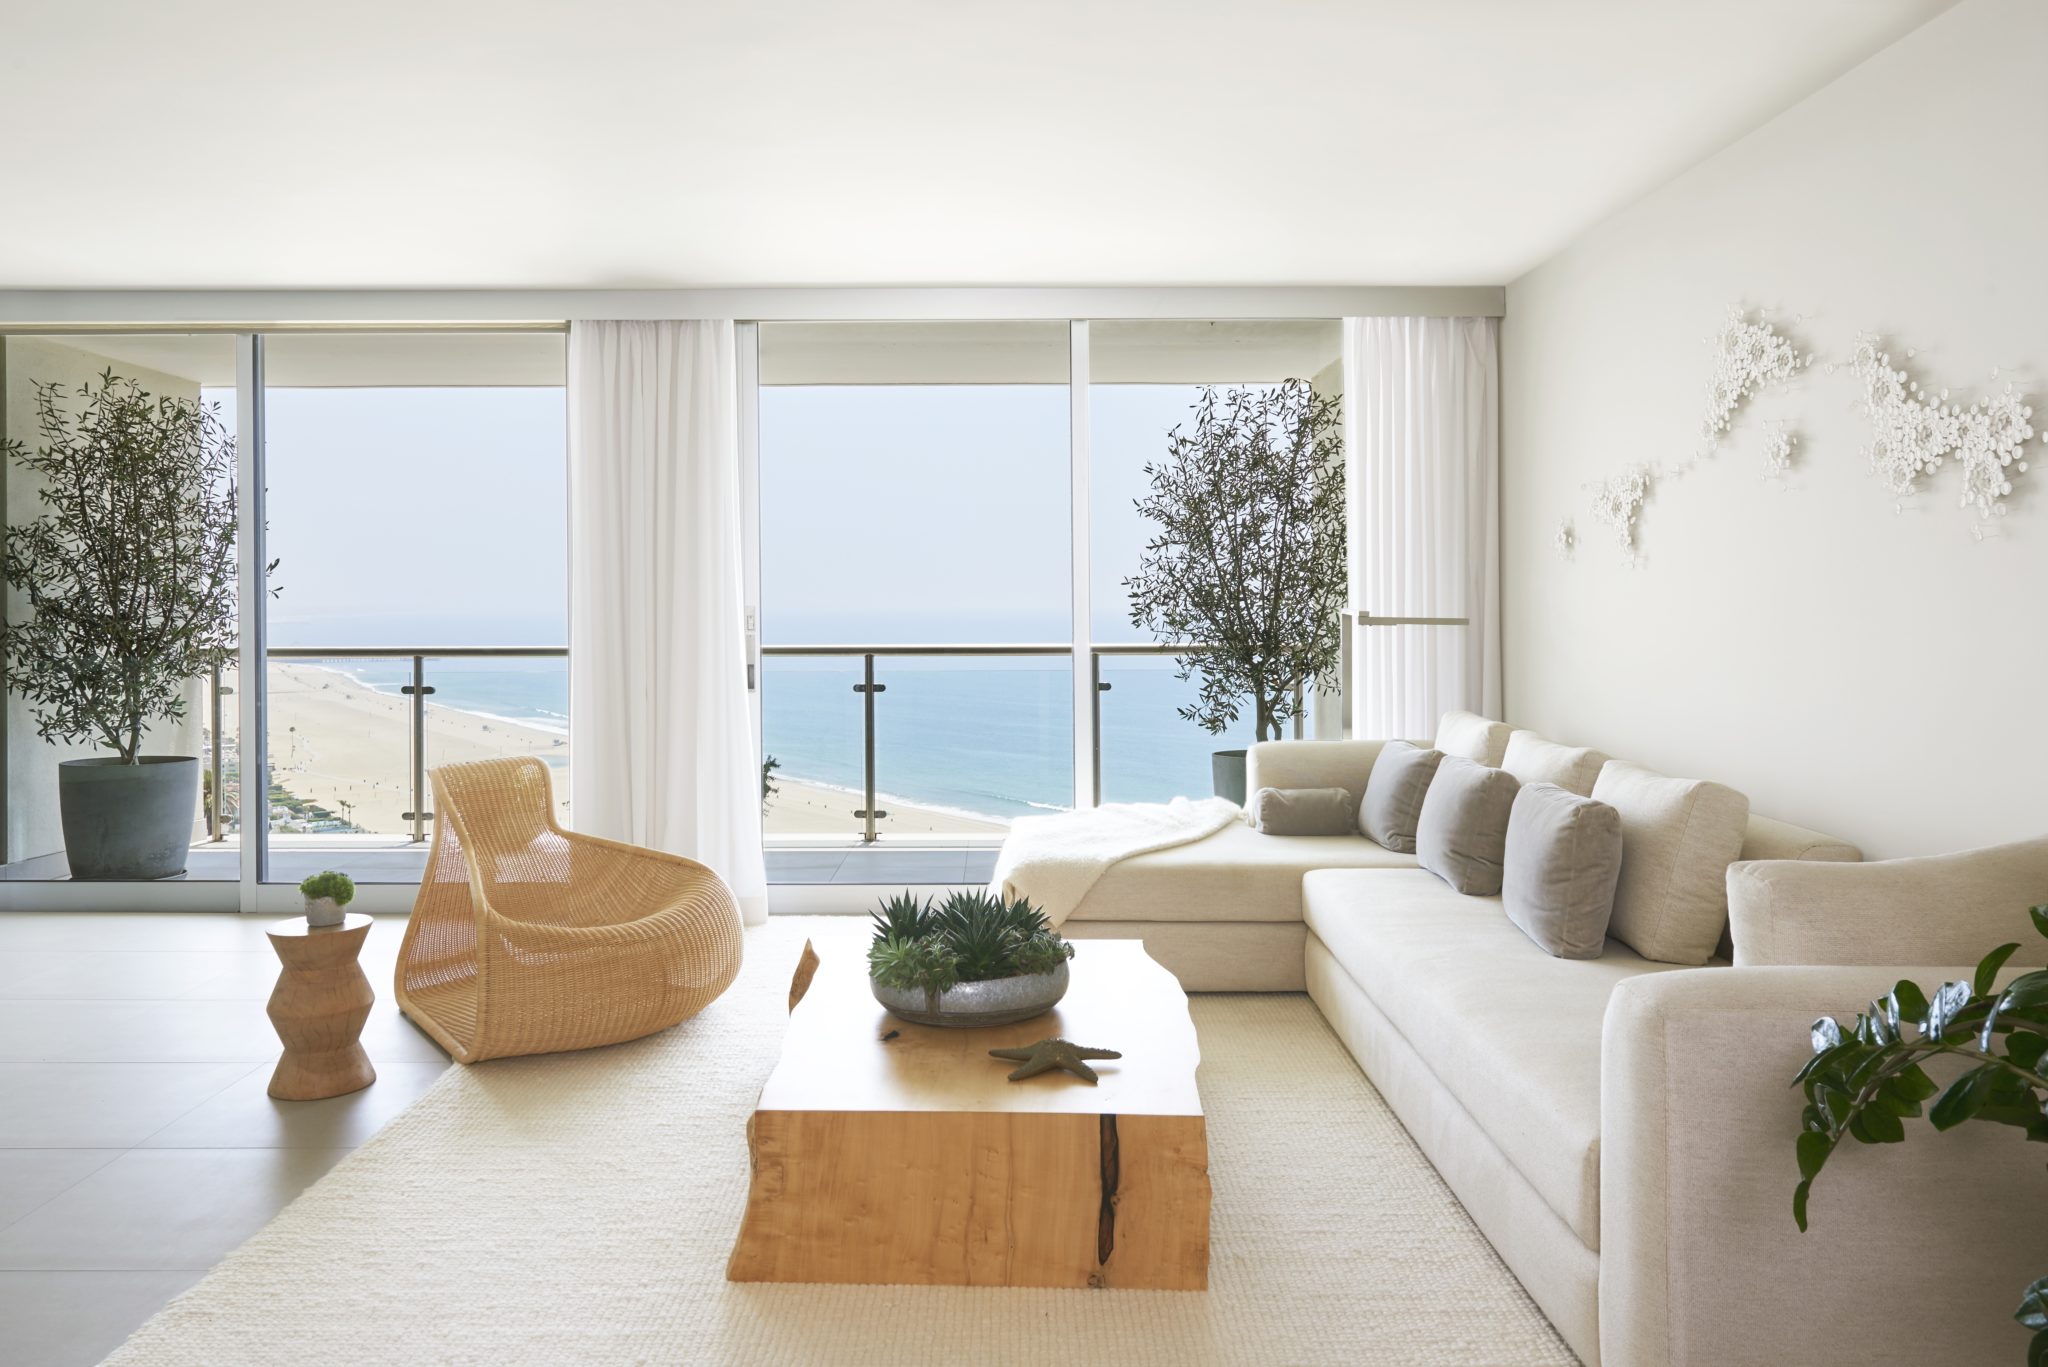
{"x":1302,"y":811}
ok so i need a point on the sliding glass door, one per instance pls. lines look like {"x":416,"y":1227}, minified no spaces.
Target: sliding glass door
{"x":417,"y":610}
{"x":412,"y":500}
{"x":931,"y":497}
{"x":916,"y":579}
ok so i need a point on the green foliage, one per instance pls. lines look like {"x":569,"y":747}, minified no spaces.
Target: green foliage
{"x":128,"y":573}
{"x":1249,"y":556}
{"x":1865,"y":1080}
{"x":969,"y":937}
{"x":328,"y":883}
{"x":769,"y":788}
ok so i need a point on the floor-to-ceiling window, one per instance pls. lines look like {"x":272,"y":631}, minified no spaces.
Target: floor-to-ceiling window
{"x":915,"y":541}
{"x":124,"y":573}
{"x":417,"y":614}
{"x":1145,"y":379}
{"x":918,"y":500}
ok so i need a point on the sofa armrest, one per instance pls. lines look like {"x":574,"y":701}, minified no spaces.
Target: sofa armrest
{"x":1925,"y":909}
{"x":1311,"y":764}
{"x":1700,"y":1261}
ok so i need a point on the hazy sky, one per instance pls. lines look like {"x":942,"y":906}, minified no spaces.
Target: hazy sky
{"x":890,"y":514}
{"x":417,"y":516}
{"x":939,"y":513}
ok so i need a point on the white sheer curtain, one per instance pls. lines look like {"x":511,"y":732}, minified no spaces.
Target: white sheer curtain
{"x":1422,"y":465}
{"x":658,"y":712}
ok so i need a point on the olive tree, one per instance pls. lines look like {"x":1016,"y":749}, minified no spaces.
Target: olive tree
{"x":1248,"y":558}
{"x":128,"y":571}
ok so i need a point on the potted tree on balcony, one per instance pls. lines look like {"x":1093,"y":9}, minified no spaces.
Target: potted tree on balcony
{"x":125,"y":589}
{"x":1247,"y":566}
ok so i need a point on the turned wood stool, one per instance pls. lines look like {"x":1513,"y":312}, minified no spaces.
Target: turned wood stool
{"x":318,"y":1006}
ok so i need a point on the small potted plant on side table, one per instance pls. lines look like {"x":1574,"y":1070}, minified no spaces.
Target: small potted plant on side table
{"x":327,"y":895}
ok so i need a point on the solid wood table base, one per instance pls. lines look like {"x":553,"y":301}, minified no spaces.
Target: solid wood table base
{"x":906,"y":1157}
{"x":319,"y":1006}
{"x":976,"y":1199}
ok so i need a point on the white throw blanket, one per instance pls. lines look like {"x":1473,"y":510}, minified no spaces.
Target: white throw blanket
{"x":1055,"y":860}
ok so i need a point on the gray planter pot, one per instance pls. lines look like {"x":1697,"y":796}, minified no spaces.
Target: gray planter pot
{"x":128,"y":821}
{"x":1001,"y":1001}
{"x":1226,"y":770}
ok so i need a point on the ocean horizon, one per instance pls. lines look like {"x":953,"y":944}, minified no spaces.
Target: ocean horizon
{"x":990,"y":738}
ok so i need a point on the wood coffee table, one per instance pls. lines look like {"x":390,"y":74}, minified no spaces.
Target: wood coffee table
{"x":912,"y":1160}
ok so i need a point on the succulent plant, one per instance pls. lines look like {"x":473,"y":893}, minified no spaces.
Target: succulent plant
{"x":969,"y":937}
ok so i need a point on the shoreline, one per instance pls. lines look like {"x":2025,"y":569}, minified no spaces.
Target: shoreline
{"x":345,"y":745}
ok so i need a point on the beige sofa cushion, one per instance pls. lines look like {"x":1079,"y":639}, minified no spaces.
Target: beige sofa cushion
{"x":1936,"y":909}
{"x":1770,"y":838}
{"x":1532,"y":759}
{"x":1301,"y":811}
{"x":1236,"y":874}
{"x":1512,"y":1033}
{"x":1473,"y":737}
{"x":1678,"y":837}
{"x":1557,"y":880}
{"x":1393,"y":795}
{"x":1345,"y":764}
{"x":1463,"y":833}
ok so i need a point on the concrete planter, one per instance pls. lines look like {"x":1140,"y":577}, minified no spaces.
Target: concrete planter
{"x":998,"y":1001}
{"x":324,"y":911}
{"x":1226,"y":771}
{"x":128,"y":821}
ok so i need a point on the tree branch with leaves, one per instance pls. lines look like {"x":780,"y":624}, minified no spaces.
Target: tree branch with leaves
{"x":1248,"y":559}
{"x":128,"y":573}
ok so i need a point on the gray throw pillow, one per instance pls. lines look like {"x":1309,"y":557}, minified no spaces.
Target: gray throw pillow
{"x":1301,"y":811}
{"x":1463,"y":833}
{"x":1563,"y":860}
{"x":1393,"y":795}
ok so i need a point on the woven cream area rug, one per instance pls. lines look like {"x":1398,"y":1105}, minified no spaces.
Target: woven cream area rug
{"x":579,"y":1208}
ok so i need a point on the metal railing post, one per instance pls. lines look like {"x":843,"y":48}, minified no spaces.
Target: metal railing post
{"x":1096,"y":688}
{"x":418,"y":690}
{"x":213,"y":806}
{"x":867,"y":688}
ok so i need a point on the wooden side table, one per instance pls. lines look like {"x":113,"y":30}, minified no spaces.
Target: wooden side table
{"x":318,"y":1006}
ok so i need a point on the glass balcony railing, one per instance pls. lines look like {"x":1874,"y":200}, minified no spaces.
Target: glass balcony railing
{"x":1145,"y":751}
{"x":943,"y":744}
{"x":353,"y":732}
{"x":947,"y":745}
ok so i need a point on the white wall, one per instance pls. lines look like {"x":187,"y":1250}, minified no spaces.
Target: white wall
{"x":1877,"y":674}
{"x":32,"y":823}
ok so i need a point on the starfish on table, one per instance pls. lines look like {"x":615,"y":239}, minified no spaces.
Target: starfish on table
{"x":1049,"y":1054}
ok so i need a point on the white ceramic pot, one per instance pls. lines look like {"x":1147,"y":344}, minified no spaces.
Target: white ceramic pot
{"x":323,"y":911}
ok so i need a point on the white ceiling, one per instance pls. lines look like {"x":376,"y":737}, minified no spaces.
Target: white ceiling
{"x":661,"y":143}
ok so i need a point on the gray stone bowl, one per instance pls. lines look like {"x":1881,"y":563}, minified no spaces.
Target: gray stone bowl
{"x":1000,"y":1001}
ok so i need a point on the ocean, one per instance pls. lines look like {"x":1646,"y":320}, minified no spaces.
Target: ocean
{"x":988,"y":737}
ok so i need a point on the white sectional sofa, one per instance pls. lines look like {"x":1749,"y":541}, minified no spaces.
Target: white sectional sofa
{"x":1621,"y":1129}
{"x":1225,"y":913}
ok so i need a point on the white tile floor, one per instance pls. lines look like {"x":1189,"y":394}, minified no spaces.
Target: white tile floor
{"x":137,"y":1145}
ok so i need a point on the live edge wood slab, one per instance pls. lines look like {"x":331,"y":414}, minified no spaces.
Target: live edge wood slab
{"x":912,"y":1160}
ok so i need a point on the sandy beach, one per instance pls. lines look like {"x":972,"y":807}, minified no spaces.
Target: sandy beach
{"x":347,"y":747}
{"x":800,"y":808}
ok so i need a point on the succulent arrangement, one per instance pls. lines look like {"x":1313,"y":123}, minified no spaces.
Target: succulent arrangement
{"x":337,"y":886}
{"x":968,"y":937}
{"x":1864,"y":1080}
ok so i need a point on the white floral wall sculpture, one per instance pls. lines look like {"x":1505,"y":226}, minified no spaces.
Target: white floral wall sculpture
{"x":1616,"y":502}
{"x":1914,"y":431}
{"x":1780,"y":450}
{"x":1749,"y":355}
{"x":1564,"y":539}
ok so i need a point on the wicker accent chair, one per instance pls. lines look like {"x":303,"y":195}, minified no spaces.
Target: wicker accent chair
{"x":529,"y":939}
